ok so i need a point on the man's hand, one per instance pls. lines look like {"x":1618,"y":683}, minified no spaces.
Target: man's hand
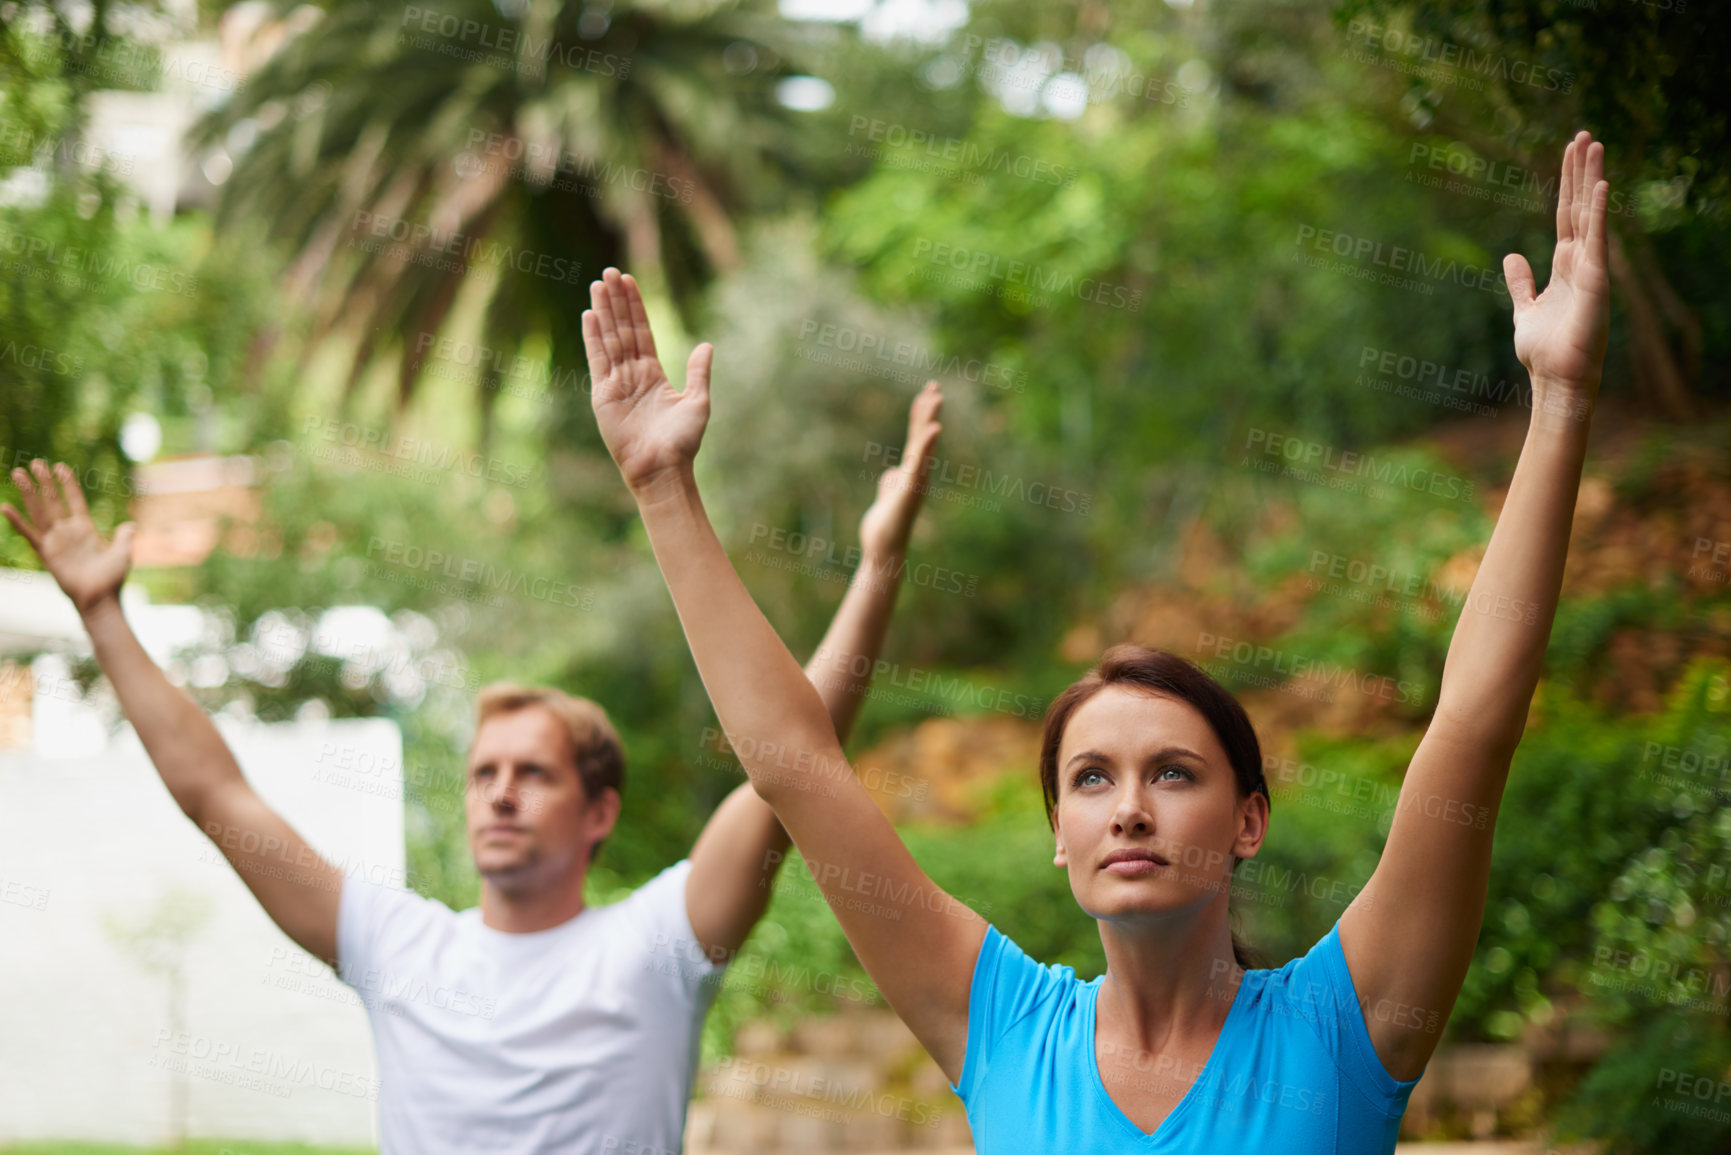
{"x":652,"y":429}
{"x":884,"y":529}
{"x":1560,"y":335}
{"x":59,"y":529}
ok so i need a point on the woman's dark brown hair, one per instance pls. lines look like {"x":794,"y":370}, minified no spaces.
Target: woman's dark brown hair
{"x":1159,"y":672}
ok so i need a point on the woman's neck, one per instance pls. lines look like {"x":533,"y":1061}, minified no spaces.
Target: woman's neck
{"x":1168,"y":982}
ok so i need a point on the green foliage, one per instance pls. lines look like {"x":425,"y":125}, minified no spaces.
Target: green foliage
{"x":1131,"y":277}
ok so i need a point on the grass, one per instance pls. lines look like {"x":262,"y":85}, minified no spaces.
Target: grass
{"x":190,"y":1147}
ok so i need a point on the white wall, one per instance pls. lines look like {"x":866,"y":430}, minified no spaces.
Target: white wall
{"x":273,"y":1046}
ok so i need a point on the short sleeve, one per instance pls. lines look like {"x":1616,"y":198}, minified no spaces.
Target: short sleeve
{"x":1008,"y":985}
{"x":1318,"y":988}
{"x":658,"y":908}
{"x":375,"y":924}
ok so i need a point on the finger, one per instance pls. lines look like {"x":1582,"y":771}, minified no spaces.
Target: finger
{"x":639,"y":317}
{"x":1596,"y":224}
{"x":123,"y":535}
{"x":27,"y":492}
{"x":922,"y":442}
{"x":22,"y":526}
{"x":52,"y":508}
{"x":1566,"y":195}
{"x":599,"y":363}
{"x":72,"y":491}
{"x":1519,"y":276}
{"x":1583,"y":190}
{"x":621,"y":313}
{"x":1592,"y":174}
{"x":598,"y":294}
{"x":697,"y":370}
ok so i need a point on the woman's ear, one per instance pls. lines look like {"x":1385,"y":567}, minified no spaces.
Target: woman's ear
{"x":1058,"y":855}
{"x":1254,"y":827}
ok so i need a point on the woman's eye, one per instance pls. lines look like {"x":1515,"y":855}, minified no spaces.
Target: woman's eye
{"x":1178,"y":770}
{"x":1082,"y":779}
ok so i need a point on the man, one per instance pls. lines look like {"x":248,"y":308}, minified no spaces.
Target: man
{"x":531,"y":1023}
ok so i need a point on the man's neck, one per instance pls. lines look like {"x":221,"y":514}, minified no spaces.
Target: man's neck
{"x":529,"y":909}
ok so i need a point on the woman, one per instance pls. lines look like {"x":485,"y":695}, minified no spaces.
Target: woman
{"x":1153,"y":780}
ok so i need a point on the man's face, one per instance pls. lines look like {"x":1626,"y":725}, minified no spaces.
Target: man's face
{"x":530,"y":823}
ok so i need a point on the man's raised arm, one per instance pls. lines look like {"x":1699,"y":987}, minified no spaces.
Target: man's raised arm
{"x":743,"y":843}
{"x":195,"y":764}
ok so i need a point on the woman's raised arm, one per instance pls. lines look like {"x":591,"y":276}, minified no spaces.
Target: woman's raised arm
{"x":1409,"y":936}
{"x":918,"y":944}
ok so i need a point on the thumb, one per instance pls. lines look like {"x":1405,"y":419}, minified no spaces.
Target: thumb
{"x":22,"y":526}
{"x":123,"y":536}
{"x":1519,"y":276}
{"x":697,"y":370}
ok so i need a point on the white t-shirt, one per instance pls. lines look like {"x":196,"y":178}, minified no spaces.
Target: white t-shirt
{"x":579,"y":1039}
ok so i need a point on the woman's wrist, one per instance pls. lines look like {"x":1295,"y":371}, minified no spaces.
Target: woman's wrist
{"x":1562,"y":406}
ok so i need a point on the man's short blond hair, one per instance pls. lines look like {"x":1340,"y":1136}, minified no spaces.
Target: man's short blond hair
{"x":600,"y":755}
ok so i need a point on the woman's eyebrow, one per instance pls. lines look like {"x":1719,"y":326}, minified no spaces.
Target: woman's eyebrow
{"x":1163,"y":752}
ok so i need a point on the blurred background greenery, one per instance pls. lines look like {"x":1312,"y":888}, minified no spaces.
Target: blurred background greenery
{"x":1131,"y":187}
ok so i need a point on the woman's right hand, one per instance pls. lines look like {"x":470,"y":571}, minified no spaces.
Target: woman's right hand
{"x":651,"y":429}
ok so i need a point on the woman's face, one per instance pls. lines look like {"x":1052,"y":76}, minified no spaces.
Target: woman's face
{"x":1148,"y":817}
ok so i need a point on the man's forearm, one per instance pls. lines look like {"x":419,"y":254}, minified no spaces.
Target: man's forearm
{"x":841,"y":667}
{"x":181,"y":740}
{"x":1498,"y":648}
{"x":759,"y":691}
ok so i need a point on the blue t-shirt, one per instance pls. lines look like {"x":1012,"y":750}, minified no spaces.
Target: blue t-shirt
{"x":1294,"y":1070}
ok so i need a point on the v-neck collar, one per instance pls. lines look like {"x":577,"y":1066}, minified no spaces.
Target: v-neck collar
{"x":1166,"y":1126}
